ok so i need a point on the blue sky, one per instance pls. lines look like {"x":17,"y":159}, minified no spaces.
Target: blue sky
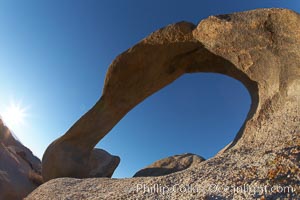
{"x":54,"y":56}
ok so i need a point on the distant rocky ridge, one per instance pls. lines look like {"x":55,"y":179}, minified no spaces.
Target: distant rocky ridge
{"x":260,"y":48}
{"x":170,"y":165}
{"x":20,"y":170}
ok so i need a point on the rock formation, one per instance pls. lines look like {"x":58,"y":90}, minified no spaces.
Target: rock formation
{"x":260,"y":48}
{"x":102,"y":164}
{"x":170,"y":165}
{"x":20,"y":170}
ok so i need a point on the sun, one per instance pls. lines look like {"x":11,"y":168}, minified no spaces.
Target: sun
{"x":15,"y":115}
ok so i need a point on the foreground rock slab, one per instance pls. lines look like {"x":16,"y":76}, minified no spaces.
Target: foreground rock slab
{"x":260,"y":48}
{"x":20,"y":170}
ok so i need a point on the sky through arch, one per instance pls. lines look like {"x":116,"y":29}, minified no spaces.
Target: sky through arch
{"x":198,"y":113}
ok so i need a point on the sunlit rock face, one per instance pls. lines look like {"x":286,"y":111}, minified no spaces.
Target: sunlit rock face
{"x":20,"y":170}
{"x":170,"y":165}
{"x":260,"y":48}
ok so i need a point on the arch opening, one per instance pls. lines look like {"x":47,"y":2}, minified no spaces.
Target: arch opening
{"x":133,"y":76}
{"x":129,"y":81}
{"x":212,"y":63}
{"x":199,"y":113}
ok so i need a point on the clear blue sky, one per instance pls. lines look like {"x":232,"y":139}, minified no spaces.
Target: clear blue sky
{"x":54,"y":56}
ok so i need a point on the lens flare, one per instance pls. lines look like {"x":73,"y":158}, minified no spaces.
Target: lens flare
{"x":15,"y":115}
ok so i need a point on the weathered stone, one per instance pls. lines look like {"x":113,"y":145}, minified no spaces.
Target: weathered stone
{"x":20,"y":170}
{"x":260,"y":48}
{"x":102,"y":164}
{"x":170,"y":165}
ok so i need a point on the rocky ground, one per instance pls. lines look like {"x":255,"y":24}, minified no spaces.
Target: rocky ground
{"x":234,"y":175}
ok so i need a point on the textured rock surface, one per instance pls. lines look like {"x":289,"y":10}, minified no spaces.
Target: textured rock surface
{"x":170,"y":165}
{"x":20,"y":170}
{"x":261,"y":48}
{"x":102,"y":164}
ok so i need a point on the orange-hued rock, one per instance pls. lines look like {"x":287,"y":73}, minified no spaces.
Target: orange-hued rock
{"x":170,"y":165}
{"x":20,"y":170}
{"x":260,"y":48}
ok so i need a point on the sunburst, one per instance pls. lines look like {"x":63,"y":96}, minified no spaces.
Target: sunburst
{"x":15,"y":115}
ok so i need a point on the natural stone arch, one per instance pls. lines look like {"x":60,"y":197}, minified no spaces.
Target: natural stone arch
{"x":249,"y":46}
